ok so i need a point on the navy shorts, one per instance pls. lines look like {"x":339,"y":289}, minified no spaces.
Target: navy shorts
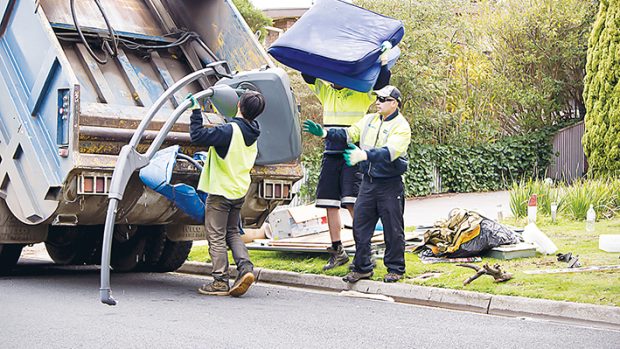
{"x":338,"y":183}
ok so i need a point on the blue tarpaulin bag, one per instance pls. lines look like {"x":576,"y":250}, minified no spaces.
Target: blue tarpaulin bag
{"x":157,"y":176}
{"x":338,"y":42}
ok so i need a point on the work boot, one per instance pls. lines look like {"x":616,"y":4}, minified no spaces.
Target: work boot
{"x":244,"y":280}
{"x":373,"y":264}
{"x":215,"y":288}
{"x":392,"y":277}
{"x":338,"y":257}
{"x":355,"y":276}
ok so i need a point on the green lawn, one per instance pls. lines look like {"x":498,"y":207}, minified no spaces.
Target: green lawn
{"x":586,"y":287}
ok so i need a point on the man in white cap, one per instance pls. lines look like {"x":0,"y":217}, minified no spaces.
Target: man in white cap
{"x":382,"y":157}
{"x":338,"y":184}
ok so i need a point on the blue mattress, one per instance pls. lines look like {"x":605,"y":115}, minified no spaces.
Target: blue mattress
{"x":362,"y":82}
{"x":338,"y":37}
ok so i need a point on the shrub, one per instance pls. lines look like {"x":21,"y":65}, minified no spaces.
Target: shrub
{"x":546,"y":193}
{"x":519,"y":194}
{"x":583,"y":193}
{"x":601,"y":140}
{"x":487,"y":166}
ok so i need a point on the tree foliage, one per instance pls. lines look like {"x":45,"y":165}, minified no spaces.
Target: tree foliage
{"x":538,"y":51}
{"x":474,"y":71}
{"x":602,"y":92}
{"x":254,"y":17}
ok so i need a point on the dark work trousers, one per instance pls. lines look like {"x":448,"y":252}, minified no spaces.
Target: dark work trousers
{"x":222,"y":226}
{"x":380,"y":198}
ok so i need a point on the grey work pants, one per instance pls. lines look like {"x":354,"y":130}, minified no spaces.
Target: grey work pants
{"x":222,"y":226}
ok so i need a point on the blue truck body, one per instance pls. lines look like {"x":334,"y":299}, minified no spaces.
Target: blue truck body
{"x":64,"y":117}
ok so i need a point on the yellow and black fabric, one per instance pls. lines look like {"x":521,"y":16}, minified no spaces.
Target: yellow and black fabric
{"x":448,"y":235}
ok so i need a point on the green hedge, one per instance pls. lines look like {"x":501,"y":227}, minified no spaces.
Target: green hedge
{"x":483,"y":167}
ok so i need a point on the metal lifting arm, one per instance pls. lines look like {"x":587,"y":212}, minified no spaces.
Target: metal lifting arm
{"x":129,"y":160}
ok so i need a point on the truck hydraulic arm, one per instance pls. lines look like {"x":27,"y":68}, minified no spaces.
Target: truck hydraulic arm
{"x":129,"y":160}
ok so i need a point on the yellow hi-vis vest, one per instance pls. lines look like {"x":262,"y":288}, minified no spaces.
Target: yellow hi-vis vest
{"x":229,"y":176}
{"x":341,"y":107}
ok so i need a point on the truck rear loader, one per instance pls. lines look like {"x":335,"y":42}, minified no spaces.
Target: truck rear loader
{"x":78,"y":78}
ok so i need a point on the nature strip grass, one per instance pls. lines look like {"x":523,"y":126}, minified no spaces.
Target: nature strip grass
{"x":601,"y":287}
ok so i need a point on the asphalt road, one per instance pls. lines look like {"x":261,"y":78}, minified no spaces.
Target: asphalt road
{"x":45,"y":306}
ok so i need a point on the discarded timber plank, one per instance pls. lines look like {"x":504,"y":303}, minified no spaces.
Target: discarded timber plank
{"x":573,"y":270}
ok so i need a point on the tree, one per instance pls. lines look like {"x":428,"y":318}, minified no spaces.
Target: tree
{"x":254,"y":17}
{"x":538,"y":50}
{"x":601,"y":141}
{"x":475,"y":71}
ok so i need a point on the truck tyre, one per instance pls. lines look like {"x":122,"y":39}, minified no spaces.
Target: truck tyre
{"x":74,"y":245}
{"x":174,"y":255}
{"x":154,"y":248}
{"x":127,"y":254}
{"x":9,"y":254}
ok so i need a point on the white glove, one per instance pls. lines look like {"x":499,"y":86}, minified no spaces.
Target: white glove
{"x":386,"y":46}
{"x":353,"y":155}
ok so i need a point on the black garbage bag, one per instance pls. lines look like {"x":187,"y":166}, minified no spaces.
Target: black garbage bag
{"x":492,"y":234}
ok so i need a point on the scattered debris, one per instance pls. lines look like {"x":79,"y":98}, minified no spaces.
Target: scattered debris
{"x":533,"y":235}
{"x":573,"y":261}
{"x":495,"y":271}
{"x":609,"y":242}
{"x":433,"y":260}
{"x":466,"y":234}
{"x":520,"y":250}
{"x":428,"y":275}
{"x":355,"y":294}
{"x":572,"y":270}
{"x":291,"y":222}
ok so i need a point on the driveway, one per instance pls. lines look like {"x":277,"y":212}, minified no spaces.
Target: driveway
{"x":426,"y":210}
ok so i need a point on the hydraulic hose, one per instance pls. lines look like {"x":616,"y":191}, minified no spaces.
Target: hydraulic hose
{"x":129,"y":160}
{"x":113,"y":51}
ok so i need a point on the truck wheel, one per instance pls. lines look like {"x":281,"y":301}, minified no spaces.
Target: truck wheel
{"x":174,"y":255}
{"x":154,"y":248}
{"x":9,"y":254}
{"x":127,"y":253}
{"x":73,"y":245}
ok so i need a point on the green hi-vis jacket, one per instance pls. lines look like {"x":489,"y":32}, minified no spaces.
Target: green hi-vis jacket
{"x":341,"y":108}
{"x":385,"y":142}
{"x":229,"y":176}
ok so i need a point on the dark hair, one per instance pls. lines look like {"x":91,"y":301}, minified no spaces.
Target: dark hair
{"x":251,"y":105}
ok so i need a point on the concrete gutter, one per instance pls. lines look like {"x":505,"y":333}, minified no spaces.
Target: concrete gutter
{"x":578,"y":313}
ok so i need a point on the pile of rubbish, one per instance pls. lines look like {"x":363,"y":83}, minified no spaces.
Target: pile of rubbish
{"x":465,"y":234}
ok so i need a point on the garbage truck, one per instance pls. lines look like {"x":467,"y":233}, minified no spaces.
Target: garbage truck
{"x":78,"y":78}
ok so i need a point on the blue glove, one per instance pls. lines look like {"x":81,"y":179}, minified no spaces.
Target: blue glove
{"x":314,"y":129}
{"x":353,"y":155}
{"x":194,"y":104}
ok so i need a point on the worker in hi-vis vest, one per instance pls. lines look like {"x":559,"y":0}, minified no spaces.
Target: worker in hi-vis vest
{"x":226,"y":179}
{"x":382,"y":156}
{"x":338,"y":184}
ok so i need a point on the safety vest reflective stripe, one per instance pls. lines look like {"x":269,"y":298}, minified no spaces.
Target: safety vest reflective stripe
{"x":367,"y":125}
{"x":229,"y":176}
{"x":374,"y":139}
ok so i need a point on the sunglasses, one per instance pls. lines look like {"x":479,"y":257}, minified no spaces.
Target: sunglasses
{"x":385,"y":99}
